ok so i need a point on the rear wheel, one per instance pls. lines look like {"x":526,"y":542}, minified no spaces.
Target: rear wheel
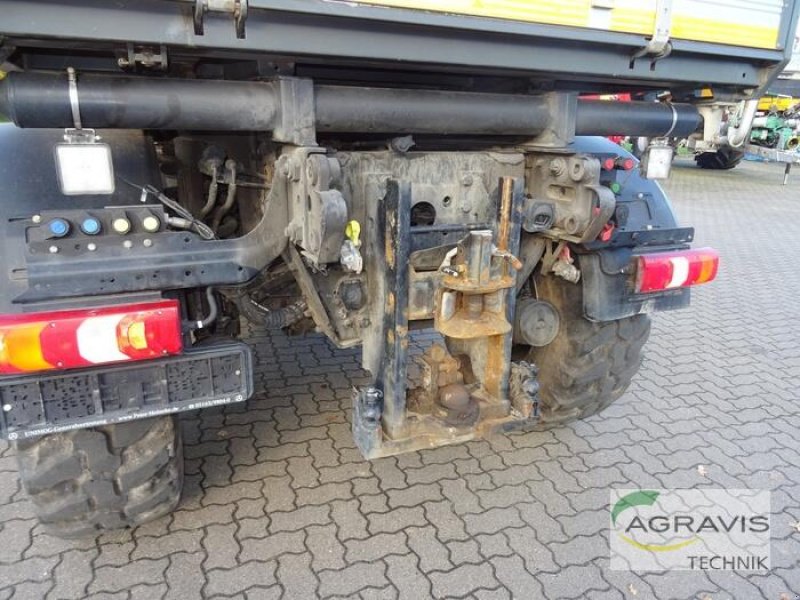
{"x":588,"y":365}
{"x":722,"y":159}
{"x":87,"y":481}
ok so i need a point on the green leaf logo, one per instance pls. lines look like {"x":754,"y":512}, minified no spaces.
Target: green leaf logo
{"x":640,"y":498}
{"x":644,"y":498}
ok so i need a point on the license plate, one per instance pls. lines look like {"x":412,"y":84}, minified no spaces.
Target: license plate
{"x":213,"y":376}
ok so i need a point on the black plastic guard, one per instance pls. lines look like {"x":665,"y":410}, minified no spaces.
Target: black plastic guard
{"x":608,"y":292}
{"x":644,"y":222}
{"x":41,"y":404}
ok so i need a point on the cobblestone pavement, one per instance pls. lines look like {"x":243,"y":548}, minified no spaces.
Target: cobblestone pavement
{"x":278,"y":502}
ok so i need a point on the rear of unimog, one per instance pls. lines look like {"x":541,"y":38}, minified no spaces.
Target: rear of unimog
{"x":173,"y":167}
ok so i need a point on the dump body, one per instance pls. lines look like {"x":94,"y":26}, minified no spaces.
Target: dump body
{"x":732,"y":45}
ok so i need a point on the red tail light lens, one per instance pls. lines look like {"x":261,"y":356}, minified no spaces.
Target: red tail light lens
{"x":669,"y":270}
{"x":82,"y":338}
{"x":626,"y":164}
{"x":620,"y":162}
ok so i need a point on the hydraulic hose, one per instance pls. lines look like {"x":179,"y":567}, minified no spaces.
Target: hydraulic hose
{"x":271,"y":319}
{"x":213,"y":312}
{"x":737,"y":136}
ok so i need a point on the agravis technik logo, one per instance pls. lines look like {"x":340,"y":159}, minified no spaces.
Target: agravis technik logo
{"x":689,"y":529}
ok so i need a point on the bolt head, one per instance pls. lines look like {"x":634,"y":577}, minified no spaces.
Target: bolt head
{"x":36,"y":219}
{"x":147,"y":243}
{"x":53,"y":249}
{"x":91,"y":247}
{"x":127,"y":244}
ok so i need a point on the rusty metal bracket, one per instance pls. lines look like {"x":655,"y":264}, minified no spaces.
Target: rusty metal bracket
{"x":237,"y":8}
{"x":315,"y":306}
{"x":659,"y":45}
{"x":465,"y":392}
{"x":551,"y":255}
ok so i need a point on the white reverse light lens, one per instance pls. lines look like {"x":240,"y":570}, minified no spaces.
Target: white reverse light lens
{"x":85,"y":169}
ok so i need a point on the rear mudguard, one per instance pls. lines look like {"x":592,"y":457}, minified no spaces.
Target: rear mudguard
{"x":644,"y":221}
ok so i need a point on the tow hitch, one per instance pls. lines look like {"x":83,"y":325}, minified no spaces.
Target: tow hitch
{"x":469,"y":385}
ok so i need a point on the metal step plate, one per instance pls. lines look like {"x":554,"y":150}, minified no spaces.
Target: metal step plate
{"x":38,"y":405}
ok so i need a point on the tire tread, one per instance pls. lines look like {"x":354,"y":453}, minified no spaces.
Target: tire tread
{"x":588,"y":365}
{"x":87,"y":481}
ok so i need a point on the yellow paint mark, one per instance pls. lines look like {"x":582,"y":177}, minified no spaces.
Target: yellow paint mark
{"x":659,"y":547}
{"x":686,"y":27}
{"x":577,"y":13}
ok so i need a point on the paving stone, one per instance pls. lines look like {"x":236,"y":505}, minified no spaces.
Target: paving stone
{"x":185,"y":577}
{"x":461,"y":580}
{"x":221,"y":546}
{"x":165,"y":545}
{"x":376,"y":547}
{"x":272,"y":546}
{"x":302,"y":470}
{"x":397,"y":519}
{"x":411,"y":583}
{"x":464,"y":552}
{"x":17,"y":538}
{"x":259,"y":471}
{"x":299,"y":519}
{"x":327,"y":551}
{"x":348,"y":581}
{"x":432,"y":554}
{"x":414,"y":495}
{"x":492,"y":520}
{"x":32,"y":590}
{"x":247,"y":575}
{"x":324,"y":494}
{"x":197,"y":519}
{"x":115,"y":579}
{"x":73,"y":574}
{"x":296,"y":577}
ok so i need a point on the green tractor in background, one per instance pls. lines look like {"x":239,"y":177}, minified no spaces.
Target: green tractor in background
{"x":775,"y":127}
{"x":776,"y":130}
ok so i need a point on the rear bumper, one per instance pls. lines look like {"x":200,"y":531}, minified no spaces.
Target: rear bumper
{"x":42,"y":404}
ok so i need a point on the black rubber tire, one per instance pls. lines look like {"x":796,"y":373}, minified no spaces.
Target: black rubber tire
{"x":87,"y":481}
{"x":588,"y":365}
{"x":722,"y":159}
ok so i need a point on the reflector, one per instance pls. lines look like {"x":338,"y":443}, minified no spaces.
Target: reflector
{"x":79,"y":338}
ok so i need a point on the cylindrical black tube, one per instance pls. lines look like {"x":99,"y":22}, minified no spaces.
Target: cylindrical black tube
{"x":646,"y":119}
{"x":124,"y":102}
{"x":42,"y":100}
{"x":381,"y":110}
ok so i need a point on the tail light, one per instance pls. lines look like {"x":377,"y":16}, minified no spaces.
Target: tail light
{"x":82,"y":338}
{"x":669,"y":270}
{"x":620,"y":162}
{"x":626,"y":164}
